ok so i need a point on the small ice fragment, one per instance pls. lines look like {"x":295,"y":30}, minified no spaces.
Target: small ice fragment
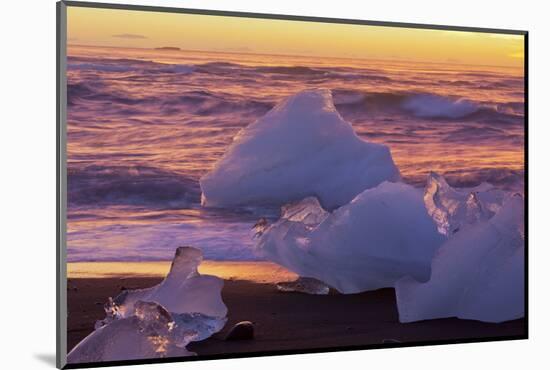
{"x":143,"y":336}
{"x":158,"y":321}
{"x":304,"y":285}
{"x":183,"y":289}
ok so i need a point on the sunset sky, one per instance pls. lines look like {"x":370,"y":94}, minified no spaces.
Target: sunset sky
{"x":129,"y":28}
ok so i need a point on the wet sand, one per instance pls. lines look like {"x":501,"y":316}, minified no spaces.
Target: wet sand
{"x":288,"y":321}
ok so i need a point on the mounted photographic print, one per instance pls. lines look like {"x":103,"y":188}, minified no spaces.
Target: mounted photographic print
{"x":236,"y":184}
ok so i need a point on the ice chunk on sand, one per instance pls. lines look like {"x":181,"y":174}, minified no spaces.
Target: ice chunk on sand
{"x":301,"y":148}
{"x":158,"y":321}
{"x":477,"y":274}
{"x":152,"y":332}
{"x":128,"y":338}
{"x":183,"y":289}
{"x":382,"y":235}
{"x":453,"y":209}
{"x":304,"y":285}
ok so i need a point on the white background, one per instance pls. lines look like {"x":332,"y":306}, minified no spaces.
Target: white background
{"x":27,"y":193}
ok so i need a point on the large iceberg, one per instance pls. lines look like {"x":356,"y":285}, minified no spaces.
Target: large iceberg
{"x":301,"y":148}
{"x":382,"y":235}
{"x":158,"y":321}
{"x":477,"y":274}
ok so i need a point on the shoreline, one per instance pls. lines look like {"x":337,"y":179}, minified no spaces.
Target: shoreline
{"x":288,"y":321}
{"x":254,"y":271}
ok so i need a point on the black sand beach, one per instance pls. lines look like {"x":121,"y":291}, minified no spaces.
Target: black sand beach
{"x":288,"y":321}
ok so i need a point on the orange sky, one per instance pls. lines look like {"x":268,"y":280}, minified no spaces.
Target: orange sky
{"x":129,"y":28}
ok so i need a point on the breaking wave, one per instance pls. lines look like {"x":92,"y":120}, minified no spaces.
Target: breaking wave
{"x":434,"y":106}
{"x":135,"y":185}
{"x":125,"y":65}
{"x":200,"y":102}
{"x":423,"y":105}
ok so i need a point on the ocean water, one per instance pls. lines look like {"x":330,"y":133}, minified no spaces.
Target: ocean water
{"x":145,"y":125}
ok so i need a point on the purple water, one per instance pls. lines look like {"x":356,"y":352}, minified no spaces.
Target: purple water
{"x":145,"y":125}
